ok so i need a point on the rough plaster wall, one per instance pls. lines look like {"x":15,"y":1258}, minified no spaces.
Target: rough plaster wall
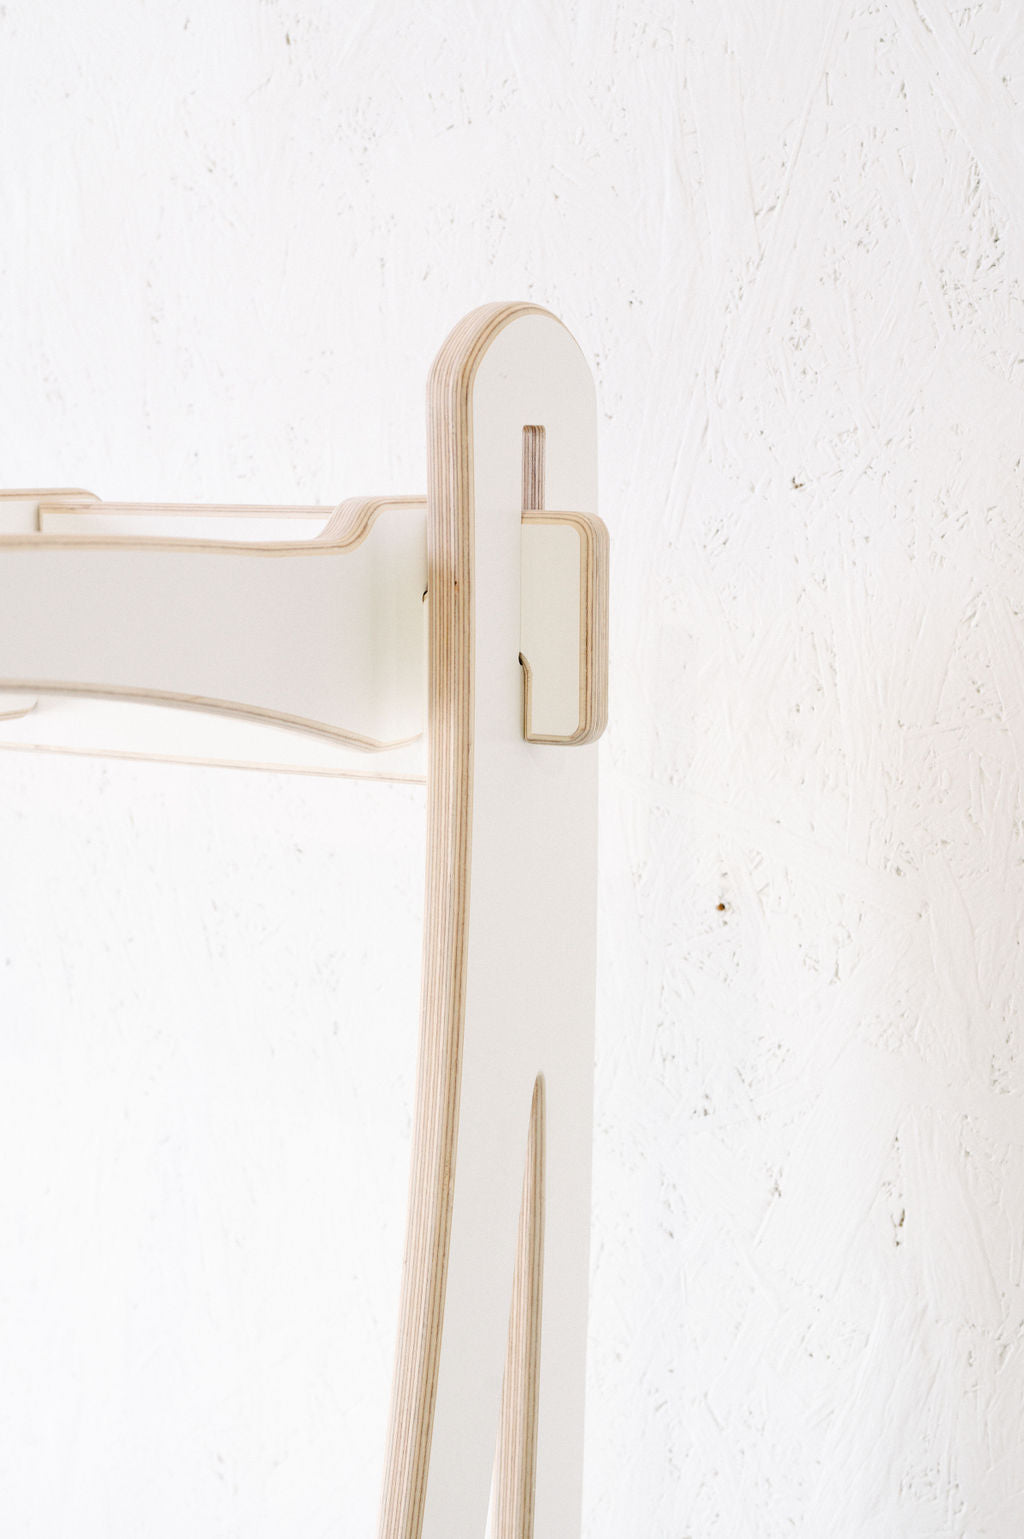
{"x":789,"y":236}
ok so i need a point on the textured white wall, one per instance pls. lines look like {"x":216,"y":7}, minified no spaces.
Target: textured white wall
{"x":789,"y":235}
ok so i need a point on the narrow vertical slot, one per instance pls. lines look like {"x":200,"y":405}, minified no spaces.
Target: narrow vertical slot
{"x":533,"y":469}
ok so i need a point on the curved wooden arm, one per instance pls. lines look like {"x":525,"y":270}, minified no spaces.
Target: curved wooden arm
{"x":327,"y":634}
{"x":184,"y":606}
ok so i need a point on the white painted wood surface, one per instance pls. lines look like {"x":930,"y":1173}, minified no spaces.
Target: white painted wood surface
{"x":532,"y":980}
{"x":790,"y":239}
{"x":326,"y":633}
{"x":508,"y":980}
{"x":305,"y":627}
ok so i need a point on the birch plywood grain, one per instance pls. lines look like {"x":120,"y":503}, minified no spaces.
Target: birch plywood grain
{"x":564,"y":627}
{"x":344,"y":639}
{"x":493,"y":1314}
{"x":508,"y":990}
{"x":323,"y":633}
{"x":790,"y":236}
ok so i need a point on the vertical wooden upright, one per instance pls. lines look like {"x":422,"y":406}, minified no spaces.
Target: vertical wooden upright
{"x":501,"y":1157}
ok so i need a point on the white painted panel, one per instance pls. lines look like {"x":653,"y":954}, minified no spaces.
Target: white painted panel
{"x":550,"y":633}
{"x":330,"y":639}
{"x":530,"y":968}
{"x":182,"y":526}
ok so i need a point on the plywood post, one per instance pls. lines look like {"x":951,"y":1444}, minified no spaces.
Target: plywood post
{"x":505,"y":1071}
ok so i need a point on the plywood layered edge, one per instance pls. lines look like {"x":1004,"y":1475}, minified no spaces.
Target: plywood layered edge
{"x":501,"y":1148}
{"x":510,"y":682}
{"x":325,"y":635}
{"x":563,"y":624}
{"x":572,"y":670}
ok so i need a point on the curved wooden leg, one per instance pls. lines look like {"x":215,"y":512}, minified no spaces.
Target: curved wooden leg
{"x":508,"y":991}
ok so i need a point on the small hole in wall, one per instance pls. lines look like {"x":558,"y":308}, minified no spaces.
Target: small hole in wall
{"x":720,"y":907}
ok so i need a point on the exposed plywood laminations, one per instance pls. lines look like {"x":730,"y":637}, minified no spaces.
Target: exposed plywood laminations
{"x":791,"y":238}
{"x":347,"y":642}
{"x":507,"y":989}
{"x":167,"y":605}
{"x":564,"y":626}
{"x":15,"y":705}
{"x":565,"y":662}
{"x":533,"y":467}
{"x":324,"y":634}
{"x":516,"y":1463}
{"x":180,"y":733}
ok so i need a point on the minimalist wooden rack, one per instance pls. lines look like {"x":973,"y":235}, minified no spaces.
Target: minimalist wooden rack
{"x":459,"y":637}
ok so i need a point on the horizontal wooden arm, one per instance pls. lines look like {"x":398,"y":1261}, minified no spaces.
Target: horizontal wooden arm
{"x":327,"y":634}
{"x":307,"y":617}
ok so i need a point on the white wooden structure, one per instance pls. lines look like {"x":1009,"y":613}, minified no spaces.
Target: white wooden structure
{"x":461,"y":636}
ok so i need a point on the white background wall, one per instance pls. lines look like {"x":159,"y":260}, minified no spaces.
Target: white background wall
{"x":789,"y":235}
